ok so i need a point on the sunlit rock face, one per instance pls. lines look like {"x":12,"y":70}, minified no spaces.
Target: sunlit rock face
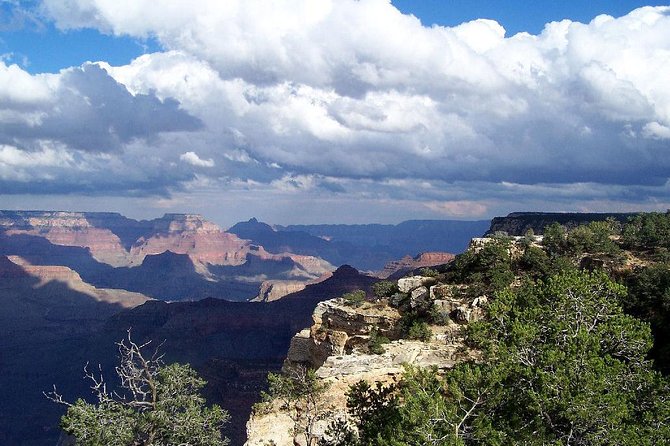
{"x":114,"y":253}
{"x":339,"y":346}
{"x":408,"y":263}
{"x":95,"y":231}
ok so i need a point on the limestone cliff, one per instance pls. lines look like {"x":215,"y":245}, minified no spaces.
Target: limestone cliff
{"x":337,"y":346}
{"x":517,"y":223}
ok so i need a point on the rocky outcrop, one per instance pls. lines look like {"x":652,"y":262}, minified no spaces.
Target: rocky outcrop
{"x":337,"y":346}
{"x":272,"y":290}
{"x":338,"y":329}
{"x":449,"y":302}
{"x":407,"y":263}
{"x":408,"y":284}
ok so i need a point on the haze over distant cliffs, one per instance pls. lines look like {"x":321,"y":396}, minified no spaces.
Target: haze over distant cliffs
{"x":366,"y":247}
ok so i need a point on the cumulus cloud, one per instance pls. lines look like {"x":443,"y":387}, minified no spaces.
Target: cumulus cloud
{"x":193,"y":159}
{"x":85,"y":109}
{"x":331,"y":96}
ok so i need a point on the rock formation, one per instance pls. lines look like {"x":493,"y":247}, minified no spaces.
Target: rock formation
{"x":114,"y":251}
{"x":407,"y":263}
{"x":517,"y":223}
{"x":337,"y":346}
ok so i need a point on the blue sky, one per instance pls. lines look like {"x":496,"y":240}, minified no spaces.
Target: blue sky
{"x":308,"y":111}
{"x":516,"y":15}
{"x":39,"y":46}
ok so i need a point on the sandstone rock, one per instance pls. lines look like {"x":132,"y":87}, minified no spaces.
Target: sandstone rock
{"x":272,"y":290}
{"x":407,"y":284}
{"x":336,"y":325}
{"x":274,"y":425}
{"x":443,"y":291}
{"x":300,"y":350}
{"x":420,"y":299}
{"x":337,"y":329}
{"x":454,"y":309}
{"x":445,"y":307}
{"x":408,"y":263}
{"x":480,"y":301}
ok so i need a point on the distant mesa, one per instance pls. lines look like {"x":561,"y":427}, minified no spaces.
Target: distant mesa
{"x":185,"y":256}
{"x":518,"y":223}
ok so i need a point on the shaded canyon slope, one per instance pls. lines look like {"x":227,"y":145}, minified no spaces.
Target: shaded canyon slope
{"x":47,"y":316}
{"x":233,"y":345}
{"x":370,"y":247}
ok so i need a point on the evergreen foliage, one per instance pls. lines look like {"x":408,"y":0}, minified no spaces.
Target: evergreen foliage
{"x":376,"y":342}
{"x":567,"y":355}
{"x":486,"y":270}
{"x":563,"y":365}
{"x":299,"y":393}
{"x":384,"y":288}
{"x":354,"y":299}
{"x":155,"y":405}
{"x":648,"y":231}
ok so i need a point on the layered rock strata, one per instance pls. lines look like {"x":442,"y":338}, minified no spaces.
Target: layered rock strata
{"x":408,"y":263}
{"x":337,"y":347}
{"x":109,"y":239}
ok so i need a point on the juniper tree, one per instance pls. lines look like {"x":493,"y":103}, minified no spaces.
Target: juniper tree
{"x":154,"y":405}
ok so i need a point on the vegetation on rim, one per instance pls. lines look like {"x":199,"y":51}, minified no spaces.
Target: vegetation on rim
{"x":574,"y":347}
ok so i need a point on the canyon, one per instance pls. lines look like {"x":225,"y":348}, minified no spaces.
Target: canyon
{"x":73,"y":283}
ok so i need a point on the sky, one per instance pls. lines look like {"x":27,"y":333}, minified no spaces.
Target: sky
{"x":334,"y":111}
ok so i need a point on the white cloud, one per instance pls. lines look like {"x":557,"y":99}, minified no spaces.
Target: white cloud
{"x":323,"y":95}
{"x":193,"y":159}
{"x":655,"y":130}
{"x":460,"y":209}
{"x":20,"y":88}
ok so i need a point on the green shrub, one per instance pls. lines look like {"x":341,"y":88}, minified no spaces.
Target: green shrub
{"x":354,"y":299}
{"x":420,"y":331}
{"x":647,"y":231}
{"x":376,"y":342}
{"x":428,"y":272}
{"x":385,"y":288}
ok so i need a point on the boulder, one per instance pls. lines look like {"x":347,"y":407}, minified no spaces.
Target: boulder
{"x":407,"y":284}
{"x":442,"y":292}
{"x":420,"y":299}
{"x":300,"y":350}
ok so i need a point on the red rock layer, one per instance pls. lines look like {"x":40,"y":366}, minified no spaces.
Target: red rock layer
{"x":423,"y":260}
{"x":215,"y":247}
